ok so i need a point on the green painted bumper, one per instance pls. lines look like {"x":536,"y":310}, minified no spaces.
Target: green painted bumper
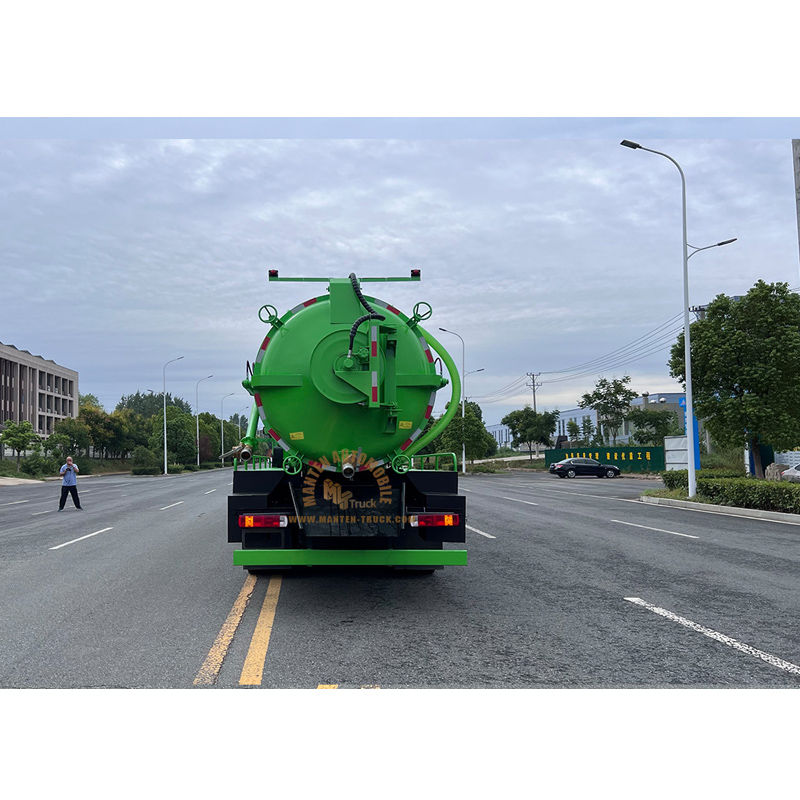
{"x":281,"y":558}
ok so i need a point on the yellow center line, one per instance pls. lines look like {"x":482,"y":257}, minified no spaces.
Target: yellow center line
{"x":211,"y":666}
{"x":254,"y":663}
{"x":328,"y":686}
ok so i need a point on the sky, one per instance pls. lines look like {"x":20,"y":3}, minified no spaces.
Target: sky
{"x":545,"y":245}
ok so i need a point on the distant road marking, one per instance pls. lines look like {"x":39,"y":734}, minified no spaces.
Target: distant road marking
{"x":209,"y":491}
{"x":465,"y":490}
{"x":253,"y":669}
{"x":172,"y":506}
{"x":81,"y":538}
{"x":328,"y":686}
{"x":371,"y":686}
{"x":528,"y":502}
{"x":211,"y":666}
{"x":475,"y":530}
{"x":787,"y":666}
{"x":15,"y":503}
{"x":36,"y":513}
{"x":660,"y":530}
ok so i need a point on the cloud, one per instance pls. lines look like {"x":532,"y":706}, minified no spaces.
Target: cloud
{"x":118,"y":255}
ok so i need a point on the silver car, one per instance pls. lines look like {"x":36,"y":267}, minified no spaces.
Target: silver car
{"x":792,"y":474}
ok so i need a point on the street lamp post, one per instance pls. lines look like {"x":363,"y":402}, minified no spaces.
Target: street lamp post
{"x":463,"y":385}
{"x":222,"y":427}
{"x":165,"y":410}
{"x":197,"y":415}
{"x":690,"y":432}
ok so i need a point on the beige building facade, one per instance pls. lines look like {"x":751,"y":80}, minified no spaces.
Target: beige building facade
{"x":35,"y":389}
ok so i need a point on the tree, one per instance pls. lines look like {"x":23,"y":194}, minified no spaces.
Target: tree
{"x":587,"y":431}
{"x":573,"y":430}
{"x":148,"y":405}
{"x":100,"y":428}
{"x":180,"y":436}
{"x":650,"y":427}
{"x":19,"y":436}
{"x":530,"y":428}
{"x":612,"y":402}
{"x":746,"y":369}
{"x":68,"y":438}
{"x":469,"y":431}
{"x":88,"y":400}
{"x":478,"y":442}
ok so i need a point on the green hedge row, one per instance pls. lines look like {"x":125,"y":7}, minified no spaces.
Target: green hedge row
{"x":751,"y":493}
{"x":679,"y":478}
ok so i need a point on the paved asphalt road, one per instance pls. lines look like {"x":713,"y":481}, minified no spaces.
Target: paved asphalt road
{"x":570,"y":584}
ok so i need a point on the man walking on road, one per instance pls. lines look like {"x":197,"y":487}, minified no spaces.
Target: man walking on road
{"x":69,"y":485}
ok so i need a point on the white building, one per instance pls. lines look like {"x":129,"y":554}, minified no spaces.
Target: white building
{"x":35,"y":389}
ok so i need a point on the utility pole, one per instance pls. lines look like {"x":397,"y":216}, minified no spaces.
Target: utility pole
{"x":533,"y":385}
{"x":796,"y":160}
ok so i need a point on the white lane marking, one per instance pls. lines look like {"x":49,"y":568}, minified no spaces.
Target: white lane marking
{"x":720,"y":637}
{"x":465,"y":490}
{"x":36,"y":513}
{"x":88,"y":535}
{"x":521,"y":501}
{"x":475,"y":530}
{"x":212,"y":490}
{"x":15,"y":503}
{"x":720,"y":513}
{"x":660,"y":530}
{"x":172,"y":506}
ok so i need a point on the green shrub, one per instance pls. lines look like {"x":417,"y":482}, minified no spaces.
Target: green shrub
{"x":191,"y":467}
{"x":209,"y":465}
{"x":480,"y":468}
{"x":83,"y":464}
{"x":145,"y":470}
{"x":679,"y":478}
{"x":174,"y":469}
{"x":39,"y":465}
{"x":751,"y":493}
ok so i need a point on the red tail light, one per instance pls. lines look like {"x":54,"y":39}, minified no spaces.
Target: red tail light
{"x":263,"y":521}
{"x":433,"y":520}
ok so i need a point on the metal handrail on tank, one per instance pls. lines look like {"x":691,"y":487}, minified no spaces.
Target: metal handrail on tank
{"x":435,"y":456}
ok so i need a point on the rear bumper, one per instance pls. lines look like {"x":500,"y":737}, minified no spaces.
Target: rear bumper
{"x":393,"y":558}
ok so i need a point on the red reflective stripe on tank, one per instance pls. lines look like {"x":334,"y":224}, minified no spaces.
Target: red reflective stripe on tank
{"x":426,"y":349}
{"x":274,"y":435}
{"x":374,"y":394}
{"x":428,"y":412}
{"x":406,"y":444}
{"x":392,"y":309}
{"x":257,"y":398}
{"x":262,"y":349}
{"x":309,"y":302}
{"x":374,"y":337}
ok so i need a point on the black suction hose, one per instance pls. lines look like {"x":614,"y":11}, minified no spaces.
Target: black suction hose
{"x":372,"y":313}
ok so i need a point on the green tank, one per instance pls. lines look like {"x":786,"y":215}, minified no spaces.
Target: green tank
{"x":345,"y":373}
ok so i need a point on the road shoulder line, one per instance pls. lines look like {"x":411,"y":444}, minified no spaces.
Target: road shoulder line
{"x":708,"y":508}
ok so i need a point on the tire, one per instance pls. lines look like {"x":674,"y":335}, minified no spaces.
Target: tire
{"x":610,"y":473}
{"x":571,"y":473}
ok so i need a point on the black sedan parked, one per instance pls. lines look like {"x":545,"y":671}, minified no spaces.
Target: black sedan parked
{"x":572,"y":467}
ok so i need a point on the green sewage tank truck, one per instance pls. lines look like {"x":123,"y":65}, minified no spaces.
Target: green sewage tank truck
{"x":344,"y":387}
